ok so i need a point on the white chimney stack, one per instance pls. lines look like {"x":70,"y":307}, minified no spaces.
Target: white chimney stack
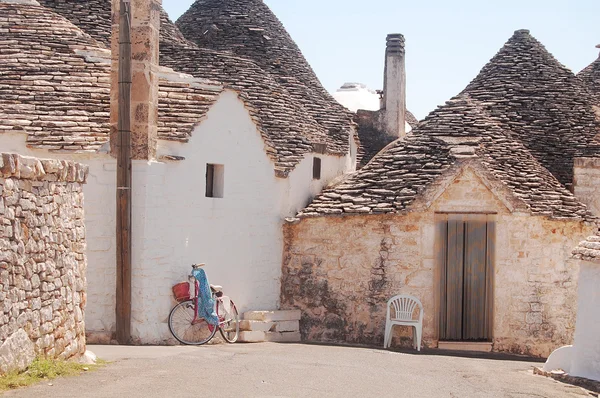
{"x":394,"y":87}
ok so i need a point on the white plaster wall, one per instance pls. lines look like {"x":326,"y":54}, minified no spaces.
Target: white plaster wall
{"x":238,"y":236}
{"x":586,"y":359}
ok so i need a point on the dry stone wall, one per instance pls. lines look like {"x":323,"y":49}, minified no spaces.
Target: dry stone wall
{"x":42,"y":260}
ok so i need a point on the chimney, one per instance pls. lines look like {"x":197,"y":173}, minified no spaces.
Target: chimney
{"x":394,"y":87}
{"x":145,"y":26}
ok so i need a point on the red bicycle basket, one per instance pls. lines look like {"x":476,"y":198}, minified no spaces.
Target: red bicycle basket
{"x":181,"y":291}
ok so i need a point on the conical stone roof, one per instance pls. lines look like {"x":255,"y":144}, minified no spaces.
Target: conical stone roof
{"x":50,"y":87}
{"x":291,"y":114}
{"x":93,"y":17}
{"x":545,"y":106}
{"x":55,"y":83}
{"x":247,"y":29}
{"x":458,"y":132}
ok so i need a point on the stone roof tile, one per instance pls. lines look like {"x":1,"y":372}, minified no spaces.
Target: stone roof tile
{"x":49,"y":87}
{"x":460,"y":131}
{"x":591,"y":77}
{"x":541,"y":102}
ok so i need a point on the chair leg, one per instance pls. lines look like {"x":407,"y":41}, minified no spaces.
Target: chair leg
{"x":414,"y":330}
{"x":419,"y":332}
{"x":386,"y":336}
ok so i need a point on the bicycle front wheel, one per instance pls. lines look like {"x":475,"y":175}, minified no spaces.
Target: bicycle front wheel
{"x":230,"y":325}
{"x":185,"y":329}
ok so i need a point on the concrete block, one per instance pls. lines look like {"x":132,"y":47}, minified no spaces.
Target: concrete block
{"x":266,"y":316}
{"x":257,"y":326}
{"x":251,"y":337}
{"x":287,"y":326}
{"x":285,"y":337}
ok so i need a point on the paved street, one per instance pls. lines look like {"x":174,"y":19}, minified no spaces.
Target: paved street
{"x":277,"y":370}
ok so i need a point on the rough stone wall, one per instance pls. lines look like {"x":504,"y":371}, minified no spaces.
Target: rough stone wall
{"x":42,"y":259}
{"x":586,"y":183}
{"x":340,"y":271}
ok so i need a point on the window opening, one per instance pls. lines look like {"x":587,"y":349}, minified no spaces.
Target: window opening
{"x":316,"y":168}
{"x":215,"y":180}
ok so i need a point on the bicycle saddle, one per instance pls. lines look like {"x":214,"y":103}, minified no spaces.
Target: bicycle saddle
{"x":216,"y":288}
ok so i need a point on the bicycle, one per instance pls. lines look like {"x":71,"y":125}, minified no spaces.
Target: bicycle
{"x":190,"y":329}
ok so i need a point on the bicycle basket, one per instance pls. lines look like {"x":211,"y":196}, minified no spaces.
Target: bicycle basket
{"x":181,"y":291}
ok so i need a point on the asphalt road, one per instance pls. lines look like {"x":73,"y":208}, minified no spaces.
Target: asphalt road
{"x":291,"y":370}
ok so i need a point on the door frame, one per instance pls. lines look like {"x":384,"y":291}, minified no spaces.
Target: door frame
{"x":440,"y":258}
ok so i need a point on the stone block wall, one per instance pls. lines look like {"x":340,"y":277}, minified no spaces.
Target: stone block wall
{"x":42,"y":260}
{"x":586,"y":183}
{"x":340,"y":271}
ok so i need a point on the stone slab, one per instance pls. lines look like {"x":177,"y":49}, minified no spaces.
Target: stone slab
{"x":265,"y":316}
{"x":285,"y":337}
{"x":287,"y":326}
{"x":251,"y":337}
{"x":257,"y":326}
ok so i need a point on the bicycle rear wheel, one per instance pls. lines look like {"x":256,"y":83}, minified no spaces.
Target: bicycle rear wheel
{"x":183,"y":327}
{"x":230,"y":326}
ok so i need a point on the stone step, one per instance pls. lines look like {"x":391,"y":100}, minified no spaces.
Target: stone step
{"x":276,"y":337}
{"x":251,"y":337}
{"x":284,"y":337}
{"x":270,"y":326}
{"x":257,"y":326}
{"x":287,"y":326}
{"x":273,"y":316}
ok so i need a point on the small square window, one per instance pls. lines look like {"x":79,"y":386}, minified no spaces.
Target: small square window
{"x":215,"y":180}
{"x":316,"y":168}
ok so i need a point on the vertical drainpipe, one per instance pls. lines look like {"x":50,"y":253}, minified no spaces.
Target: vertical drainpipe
{"x":394,"y":87}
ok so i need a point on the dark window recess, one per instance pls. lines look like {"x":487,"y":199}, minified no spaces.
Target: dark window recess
{"x":210,"y":180}
{"x":316,"y":169}
{"x":215,"y":176}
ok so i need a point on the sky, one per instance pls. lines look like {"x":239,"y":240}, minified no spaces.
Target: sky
{"x":447,"y":42}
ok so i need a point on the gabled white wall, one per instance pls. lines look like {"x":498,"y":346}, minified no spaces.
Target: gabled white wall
{"x":238,"y":236}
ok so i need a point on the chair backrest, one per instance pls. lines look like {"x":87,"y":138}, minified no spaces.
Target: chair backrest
{"x":402,"y":308}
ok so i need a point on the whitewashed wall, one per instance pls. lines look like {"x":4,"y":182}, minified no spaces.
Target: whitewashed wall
{"x":239,"y":236}
{"x":586,"y":351}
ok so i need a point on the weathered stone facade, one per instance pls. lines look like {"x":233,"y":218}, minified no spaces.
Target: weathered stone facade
{"x":42,"y":259}
{"x":340,"y":270}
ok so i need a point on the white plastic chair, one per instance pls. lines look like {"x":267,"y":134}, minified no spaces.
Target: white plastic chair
{"x":400,"y":311}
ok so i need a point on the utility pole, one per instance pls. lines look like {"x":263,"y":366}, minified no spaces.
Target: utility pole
{"x":123,"y":294}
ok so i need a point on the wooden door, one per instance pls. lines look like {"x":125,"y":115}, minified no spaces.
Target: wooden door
{"x":465,"y":257}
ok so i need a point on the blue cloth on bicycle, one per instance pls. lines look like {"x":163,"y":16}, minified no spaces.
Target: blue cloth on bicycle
{"x":206,"y":302}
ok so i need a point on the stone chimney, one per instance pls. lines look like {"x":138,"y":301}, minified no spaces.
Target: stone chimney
{"x":145,"y":26}
{"x":394,"y":87}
